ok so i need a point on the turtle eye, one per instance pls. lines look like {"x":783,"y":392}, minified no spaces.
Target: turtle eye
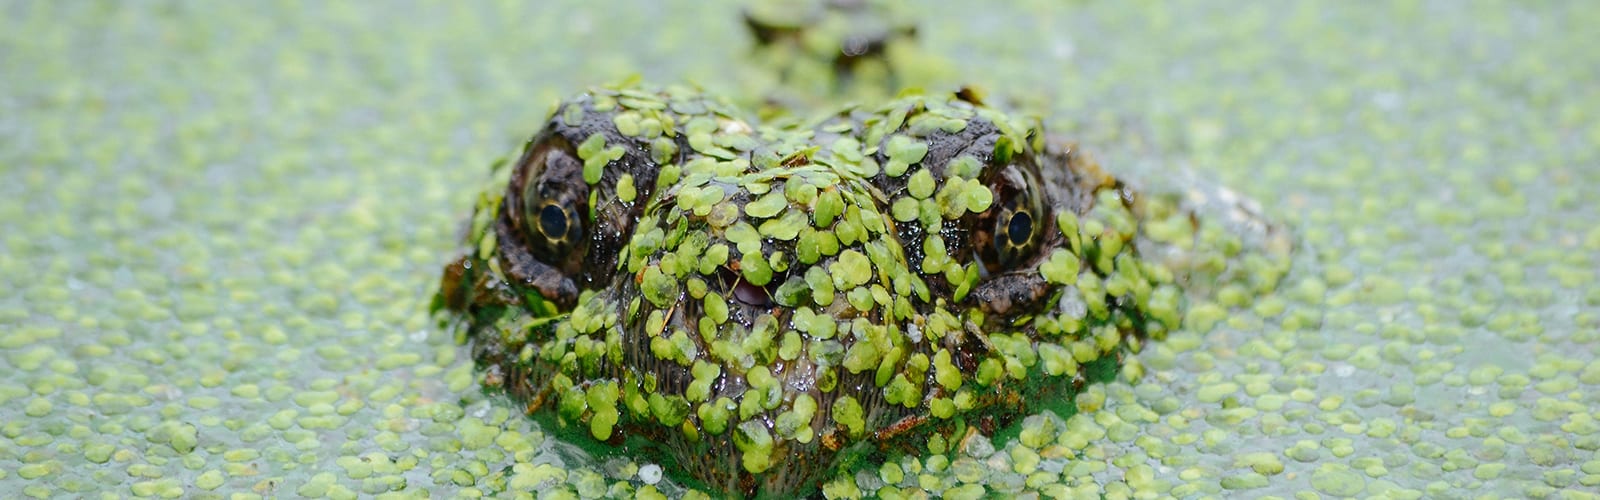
{"x":1010,"y":234}
{"x":552,"y":218}
{"x":1015,"y":236}
{"x":1020,"y":228}
{"x":555,"y":221}
{"x":555,"y":227}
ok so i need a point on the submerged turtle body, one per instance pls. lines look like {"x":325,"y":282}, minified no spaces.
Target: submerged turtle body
{"x":757,"y":301}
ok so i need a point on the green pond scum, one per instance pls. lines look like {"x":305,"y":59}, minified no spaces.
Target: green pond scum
{"x":222,"y":225}
{"x":759,"y":301}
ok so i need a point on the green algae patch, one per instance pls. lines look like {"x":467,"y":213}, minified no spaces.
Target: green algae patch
{"x":183,"y":249}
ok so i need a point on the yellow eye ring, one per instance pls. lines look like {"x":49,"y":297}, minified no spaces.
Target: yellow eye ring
{"x":1020,"y":228}
{"x":1014,"y":236}
{"x":550,"y":217}
{"x":555,"y":221}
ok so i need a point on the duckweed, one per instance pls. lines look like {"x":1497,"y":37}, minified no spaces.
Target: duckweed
{"x":168,"y":270}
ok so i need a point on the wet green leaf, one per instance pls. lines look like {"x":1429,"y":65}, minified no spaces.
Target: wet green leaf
{"x":768,"y":205}
{"x":714,"y":415}
{"x":705,"y":374}
{"x":819,"y":326}
{"x":821,"y":284}
{"x":755,"y":269}
{"x":660,"y":289}
{"x":755,"y":446}
{"x":851,"y":270}
{"x":1061,"y":268}
{"x":625,"y":189}
{"x":627,"y":123}
{"x":786,"y":227}
{"x":903,"y":152}
{"x":921,"y":184}
{"x":829,"y":206}
{"x":716,"y":308}
{"x":848,"y":412}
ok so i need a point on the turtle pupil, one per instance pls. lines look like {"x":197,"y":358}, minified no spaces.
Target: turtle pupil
{"x":553,"y":222}
{"x":1020,"y":228}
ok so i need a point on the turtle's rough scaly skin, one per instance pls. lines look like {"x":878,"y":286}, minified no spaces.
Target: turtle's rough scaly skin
{"x":756,"y":301}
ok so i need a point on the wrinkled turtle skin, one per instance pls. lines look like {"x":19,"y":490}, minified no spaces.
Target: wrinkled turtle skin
{"x":757,"y":301}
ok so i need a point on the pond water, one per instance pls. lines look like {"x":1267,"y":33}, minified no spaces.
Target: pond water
{"x":222,"y":226}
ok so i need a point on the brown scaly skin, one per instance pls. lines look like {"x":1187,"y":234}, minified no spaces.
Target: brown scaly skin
{"x":761,"y":302}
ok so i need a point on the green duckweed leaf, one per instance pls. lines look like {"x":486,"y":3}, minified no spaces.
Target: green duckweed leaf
{"x":660,"y":289}
{"x":921,"y":184}
{"x":768,"y":205}
{"x":755,"y":446}
{"x":1061,"y":268}
{"x":848,"y":412}
{"x":755,"y":269}
{"x":850,"y":270}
